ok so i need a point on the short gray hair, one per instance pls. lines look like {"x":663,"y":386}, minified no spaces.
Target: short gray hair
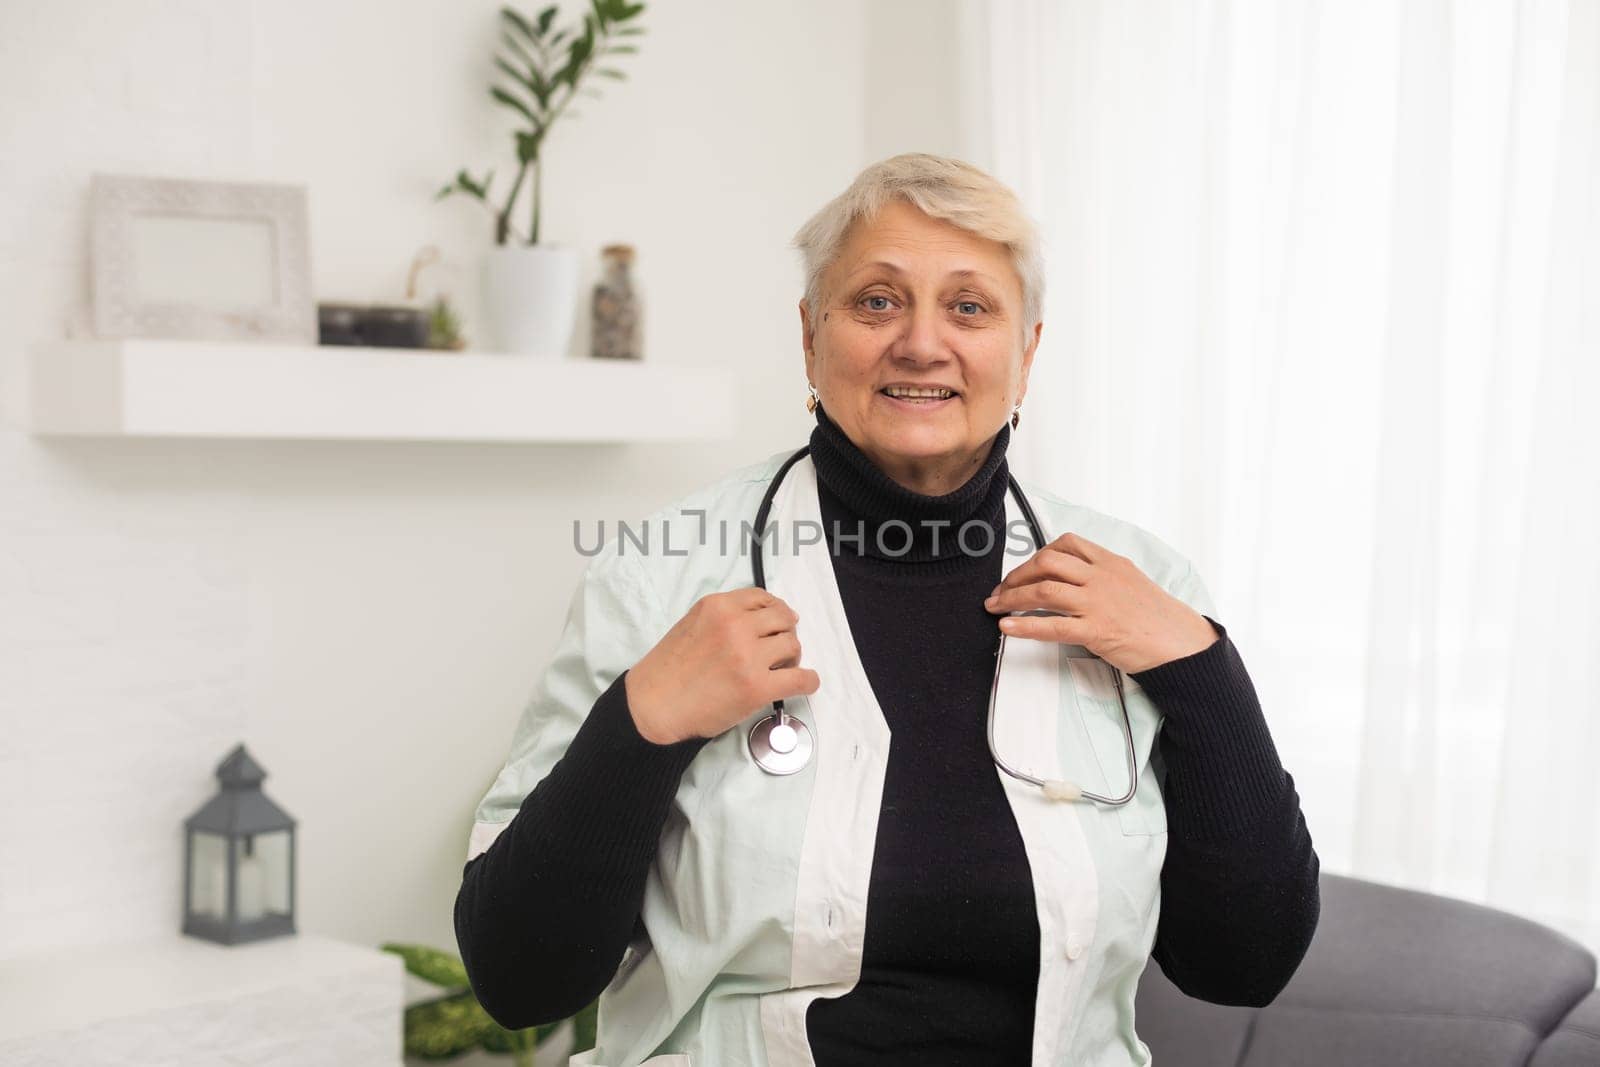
{"x":943,"y":188}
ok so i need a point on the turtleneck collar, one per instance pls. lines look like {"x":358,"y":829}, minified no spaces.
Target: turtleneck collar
{"x":861,"y":493}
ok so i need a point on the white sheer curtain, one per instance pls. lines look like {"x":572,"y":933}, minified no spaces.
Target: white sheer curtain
{"x":1324,"y":314}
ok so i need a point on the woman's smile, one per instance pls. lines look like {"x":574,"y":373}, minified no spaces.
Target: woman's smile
{"x":919,"y":400}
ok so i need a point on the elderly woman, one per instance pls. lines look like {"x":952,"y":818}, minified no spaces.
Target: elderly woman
{"x":777,"y":799}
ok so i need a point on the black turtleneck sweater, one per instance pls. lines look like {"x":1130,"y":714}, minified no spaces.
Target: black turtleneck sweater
{"x":950,"y":962}
{"x":950,"y":965}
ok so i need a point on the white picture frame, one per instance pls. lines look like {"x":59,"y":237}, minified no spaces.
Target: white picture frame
{"x":177,"y":258}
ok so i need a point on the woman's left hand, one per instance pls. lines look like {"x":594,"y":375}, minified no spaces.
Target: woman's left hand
{"x":1107,"y":605}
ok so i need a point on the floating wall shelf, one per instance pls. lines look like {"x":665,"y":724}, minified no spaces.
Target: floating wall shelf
{"x":142,"y":388}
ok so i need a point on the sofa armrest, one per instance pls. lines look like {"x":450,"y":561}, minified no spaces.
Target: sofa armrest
{"x":1576,"y":1042}
{"x":1389,"y":969}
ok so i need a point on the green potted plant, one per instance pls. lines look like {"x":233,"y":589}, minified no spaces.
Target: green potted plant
{"x":531,"y":287}
{"x":452,"y":1023}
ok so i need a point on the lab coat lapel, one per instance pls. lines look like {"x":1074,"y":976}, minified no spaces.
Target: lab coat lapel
{"x":1028,"y":717}
{"x":851,"y":739}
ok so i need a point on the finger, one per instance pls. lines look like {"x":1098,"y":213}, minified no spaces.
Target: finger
{"x":1046,"y":593}
{"x":1062,"y":629}
{"x":775,"y":618}
{"x":1080,"y":546}
{"x":789,"y":682}
{"x":779,"y":601}
{"x":779,"y":650}
{"x":1050,"y":563}
{"x":753,"y":597}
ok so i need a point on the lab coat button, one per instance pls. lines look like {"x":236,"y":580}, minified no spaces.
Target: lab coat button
{"x":1074,"y":949}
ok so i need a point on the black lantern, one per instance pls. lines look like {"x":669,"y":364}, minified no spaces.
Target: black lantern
{"x":238,"y":860}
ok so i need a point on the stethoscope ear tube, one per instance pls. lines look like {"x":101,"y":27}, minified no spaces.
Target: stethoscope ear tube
{"x":757,"y":571}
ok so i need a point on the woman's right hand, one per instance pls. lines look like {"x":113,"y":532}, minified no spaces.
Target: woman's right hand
{"x":731,"y":653}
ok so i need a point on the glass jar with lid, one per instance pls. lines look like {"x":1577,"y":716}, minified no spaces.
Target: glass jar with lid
{"x":616,"y":310}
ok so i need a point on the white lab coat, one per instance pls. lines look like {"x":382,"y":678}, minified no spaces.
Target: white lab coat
{"x":757,"y":901}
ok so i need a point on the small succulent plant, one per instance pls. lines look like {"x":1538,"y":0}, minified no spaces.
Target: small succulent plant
{"x":444,"y":325}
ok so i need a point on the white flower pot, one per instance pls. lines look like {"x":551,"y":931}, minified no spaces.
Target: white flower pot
{"x":530,"y":297}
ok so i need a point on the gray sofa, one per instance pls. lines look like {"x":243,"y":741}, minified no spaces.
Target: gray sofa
{"x":1393,"y":977}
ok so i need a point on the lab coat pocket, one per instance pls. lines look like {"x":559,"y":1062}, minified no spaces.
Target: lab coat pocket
{"x":1097,"y":723}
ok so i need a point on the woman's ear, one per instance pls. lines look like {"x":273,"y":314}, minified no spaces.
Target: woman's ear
{"x":1027,"y":360}
{"x":807,"y":338}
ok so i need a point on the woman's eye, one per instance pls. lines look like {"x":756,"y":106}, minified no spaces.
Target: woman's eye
{"x":871,"y":304}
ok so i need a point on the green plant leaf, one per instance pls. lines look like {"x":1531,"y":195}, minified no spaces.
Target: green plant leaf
{"x":431,"y":964}
{"x":531,"y":81}
{"x":545,"y":18}
{"x":510,"y":101}
{"x":629,"y":31}
{"x":528,"y":146}
{"x":521,"y":51}
{"x":610,"y":72}
{"x":600,"y":12}
{"x":445,"y":1028}
{"x":496,"y":1038}
{"x":515,"y":18}
{"x":582,"y":46}
{"x":516,"y":75}
{"x":464,"y":184}
{"x":625,"y":11}
{"x":622,"y":49}
{"x":577,"y":53}
{"x":584,"y":1025}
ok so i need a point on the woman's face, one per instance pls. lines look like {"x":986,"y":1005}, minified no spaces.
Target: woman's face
{"x":919,"y":302}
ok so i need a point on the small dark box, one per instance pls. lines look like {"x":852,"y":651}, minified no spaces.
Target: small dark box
{"x":379,"y":326}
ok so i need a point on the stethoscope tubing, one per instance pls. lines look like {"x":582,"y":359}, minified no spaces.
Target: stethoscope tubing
{"x":782,"y":717}
{"x":764,"y":729}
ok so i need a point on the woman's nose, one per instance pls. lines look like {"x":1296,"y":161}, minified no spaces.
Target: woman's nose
{"x":922,"y":339}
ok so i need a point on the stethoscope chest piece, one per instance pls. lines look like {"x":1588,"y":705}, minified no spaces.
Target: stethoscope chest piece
{"x":780,"y":744}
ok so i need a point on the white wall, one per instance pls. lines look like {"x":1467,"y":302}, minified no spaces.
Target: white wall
{"x":918,"y":97}
{"x":368,"y":618}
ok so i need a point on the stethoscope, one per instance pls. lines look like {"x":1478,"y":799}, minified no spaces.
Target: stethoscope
{"x":781,"y":743}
